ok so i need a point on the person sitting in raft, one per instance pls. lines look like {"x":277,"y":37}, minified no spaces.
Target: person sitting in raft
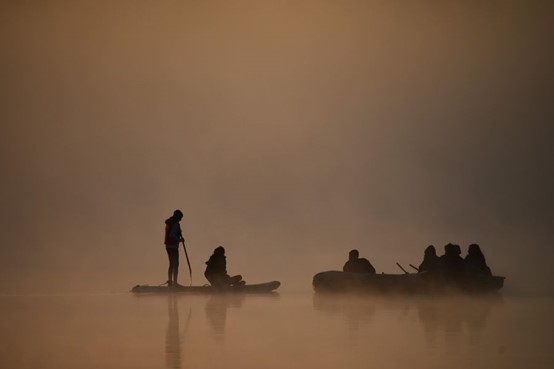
{"x":216,"y":271}
{"x":475,"y":263}
{"x":355,"y":264}
{"x":452,"y":264}
{"x":431,"y":262}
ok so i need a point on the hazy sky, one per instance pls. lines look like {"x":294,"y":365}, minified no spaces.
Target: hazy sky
{"x":287,"y":131}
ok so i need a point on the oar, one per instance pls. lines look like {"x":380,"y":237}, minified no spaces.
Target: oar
{"x":188,"y":261}
{"x":414,"y":267}
{"x":400,"y":266}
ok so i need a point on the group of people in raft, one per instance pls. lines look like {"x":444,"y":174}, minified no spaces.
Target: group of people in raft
{"x":451,"y":264}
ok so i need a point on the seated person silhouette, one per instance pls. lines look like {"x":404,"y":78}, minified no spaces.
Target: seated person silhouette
{"x":452,"y":264}
{"x":431,"y":262}
{"x":216,"y":271}
{"x":355,"y":264}
{"x":475,"y":263}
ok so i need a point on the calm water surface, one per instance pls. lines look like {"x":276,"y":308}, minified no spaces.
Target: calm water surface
{"x":285,"y":330}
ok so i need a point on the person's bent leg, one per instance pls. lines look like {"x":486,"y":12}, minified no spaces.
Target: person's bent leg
{"x":236,"y":280}
{"x":218,"y":280}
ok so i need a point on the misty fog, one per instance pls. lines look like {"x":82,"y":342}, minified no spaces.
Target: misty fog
{"x":289,"y":132}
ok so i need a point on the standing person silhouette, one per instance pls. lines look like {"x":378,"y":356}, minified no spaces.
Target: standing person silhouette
{"x":173,"y":236}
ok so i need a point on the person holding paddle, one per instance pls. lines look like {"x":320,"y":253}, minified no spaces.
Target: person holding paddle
{"x":173,"y":236}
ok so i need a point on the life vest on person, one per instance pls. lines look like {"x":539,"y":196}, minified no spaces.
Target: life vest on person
{"x":172,"y":232}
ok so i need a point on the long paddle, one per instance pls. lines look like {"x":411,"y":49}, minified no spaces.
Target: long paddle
{"x":400,"y":266}
{"x":188,"y":261}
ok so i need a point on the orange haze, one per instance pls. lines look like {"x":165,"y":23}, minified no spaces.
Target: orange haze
{"x":289,"y":132}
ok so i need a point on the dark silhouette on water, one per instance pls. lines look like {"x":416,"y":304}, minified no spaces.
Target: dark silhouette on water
{"x":431,"y":262}
{"x":173,"y":236}
{"x":475,"y":263}
{"x":216,"y":311}
{"x":356,"y":311}
{"x":447,"y":274}
{"x":452,"y":264}
{"x":174,"y":337}
{"x":355,"y":264}
{"x":216,"y":270}
{"x":448,"y":319}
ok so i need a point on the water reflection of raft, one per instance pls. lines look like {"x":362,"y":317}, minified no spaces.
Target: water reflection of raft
{"x":335,"y":281}
{"x":248,"y":288}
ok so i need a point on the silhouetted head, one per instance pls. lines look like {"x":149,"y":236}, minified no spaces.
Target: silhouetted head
{"x":457,"y":250}
{"x":474,"y":249}
{"x":219,"y":250}
{"x":449,"y":249}
{"x":178,"y":214}
{"x":353,"y":254}
{"x":430,"y":251}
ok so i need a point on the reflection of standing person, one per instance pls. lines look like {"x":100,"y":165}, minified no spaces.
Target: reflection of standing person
{"x":173,"y":335}
{"x":173,"y":236}
{"x":216,"y":270}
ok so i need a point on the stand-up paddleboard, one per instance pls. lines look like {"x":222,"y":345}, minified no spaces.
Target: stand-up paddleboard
{"x":247,"y":288}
